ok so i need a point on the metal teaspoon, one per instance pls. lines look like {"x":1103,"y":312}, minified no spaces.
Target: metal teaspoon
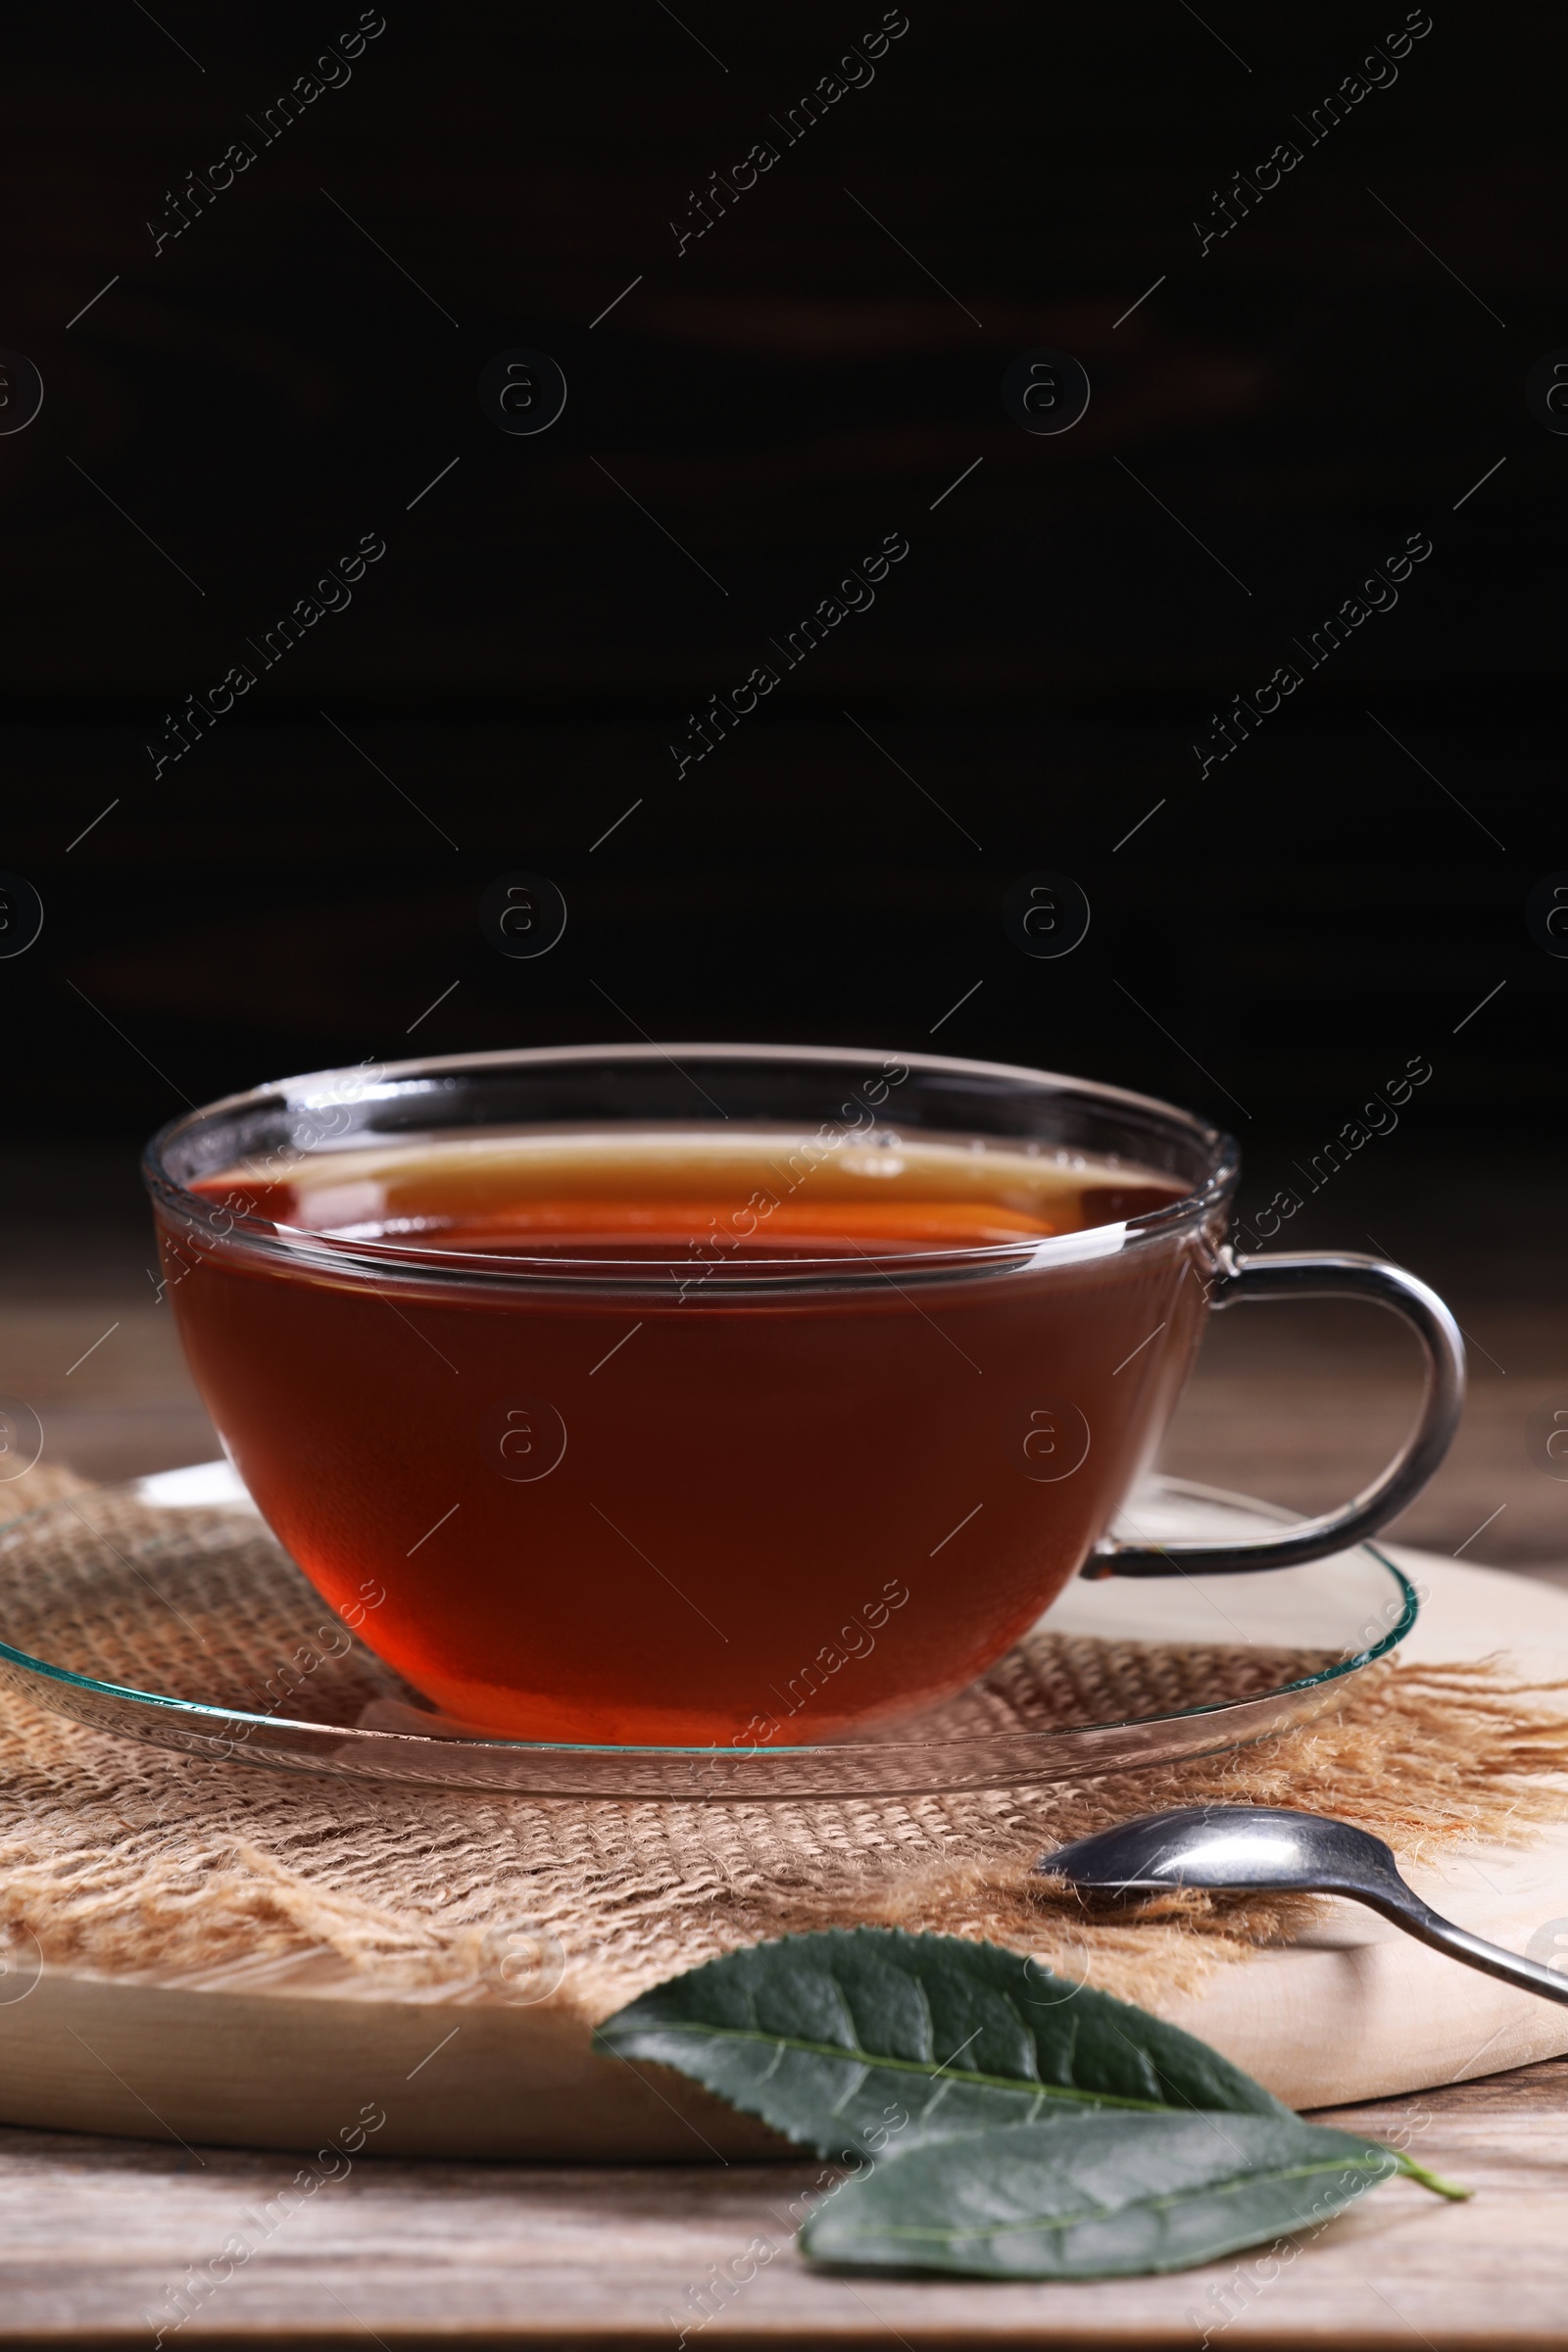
{"x":1270,"y":1849}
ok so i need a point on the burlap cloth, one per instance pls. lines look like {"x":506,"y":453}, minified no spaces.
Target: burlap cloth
{"x":141,"y":1863}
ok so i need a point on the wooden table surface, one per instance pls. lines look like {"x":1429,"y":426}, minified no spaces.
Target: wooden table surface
{"x":98,"y":2237}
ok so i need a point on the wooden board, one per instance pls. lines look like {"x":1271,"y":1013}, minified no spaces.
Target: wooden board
{"x":1352,"y":2011}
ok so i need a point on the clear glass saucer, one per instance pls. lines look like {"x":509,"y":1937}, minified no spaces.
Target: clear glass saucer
{"x":164,"y":1611}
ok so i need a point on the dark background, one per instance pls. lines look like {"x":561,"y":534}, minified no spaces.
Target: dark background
{"x":1275,"y":942}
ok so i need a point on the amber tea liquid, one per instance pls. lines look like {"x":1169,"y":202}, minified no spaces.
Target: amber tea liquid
{"x":703,"y":1511}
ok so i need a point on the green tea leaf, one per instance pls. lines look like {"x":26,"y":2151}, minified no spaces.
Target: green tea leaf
{"x":1121,"y":2194}
{"x":853,"y":2037}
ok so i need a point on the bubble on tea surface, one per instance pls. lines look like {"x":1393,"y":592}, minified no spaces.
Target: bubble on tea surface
{"x":21,"y":392}
{"x":1049,"y":1439}
{"x":523,"y":1438}
{"x":522,"y":914}
{"x":523,"y":391}
{"x":21,"y":1962}
{"x":1547,"y":913}
{"x":523,"y":1963}
{"x":1547,"y":1437}
{"x":1547,"y":391}
{"x":21,"y":915}
{"x":1045,"y":913}
{"x":21,"y":1438}
{"x":1046,"y":391}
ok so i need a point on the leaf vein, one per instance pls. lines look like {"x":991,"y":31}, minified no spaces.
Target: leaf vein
{"x":913,"y":2066}
{"x":1163,"y":2202}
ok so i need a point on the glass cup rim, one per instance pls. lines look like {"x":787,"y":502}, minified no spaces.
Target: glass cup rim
{"x":369,"y":1081}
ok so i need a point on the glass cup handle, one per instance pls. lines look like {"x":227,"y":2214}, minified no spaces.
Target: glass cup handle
{"x":1323,"y":1274}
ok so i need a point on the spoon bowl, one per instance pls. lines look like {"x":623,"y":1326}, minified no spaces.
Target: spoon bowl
{"x":1269,"y":1849}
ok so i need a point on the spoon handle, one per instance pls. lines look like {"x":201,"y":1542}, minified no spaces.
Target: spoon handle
{"x":1404,"y":1907}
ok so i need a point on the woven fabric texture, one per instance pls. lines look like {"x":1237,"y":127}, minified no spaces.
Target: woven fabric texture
{"x":139,"y":1862}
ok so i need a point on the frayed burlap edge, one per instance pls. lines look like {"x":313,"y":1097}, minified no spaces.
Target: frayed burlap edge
{"x":1427,"y":1757}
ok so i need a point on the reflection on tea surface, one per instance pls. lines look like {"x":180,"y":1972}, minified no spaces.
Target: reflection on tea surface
{"x":655,"y":1193}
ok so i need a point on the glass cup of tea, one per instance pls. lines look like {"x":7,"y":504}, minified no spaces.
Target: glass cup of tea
{"x":717,"y":1395}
